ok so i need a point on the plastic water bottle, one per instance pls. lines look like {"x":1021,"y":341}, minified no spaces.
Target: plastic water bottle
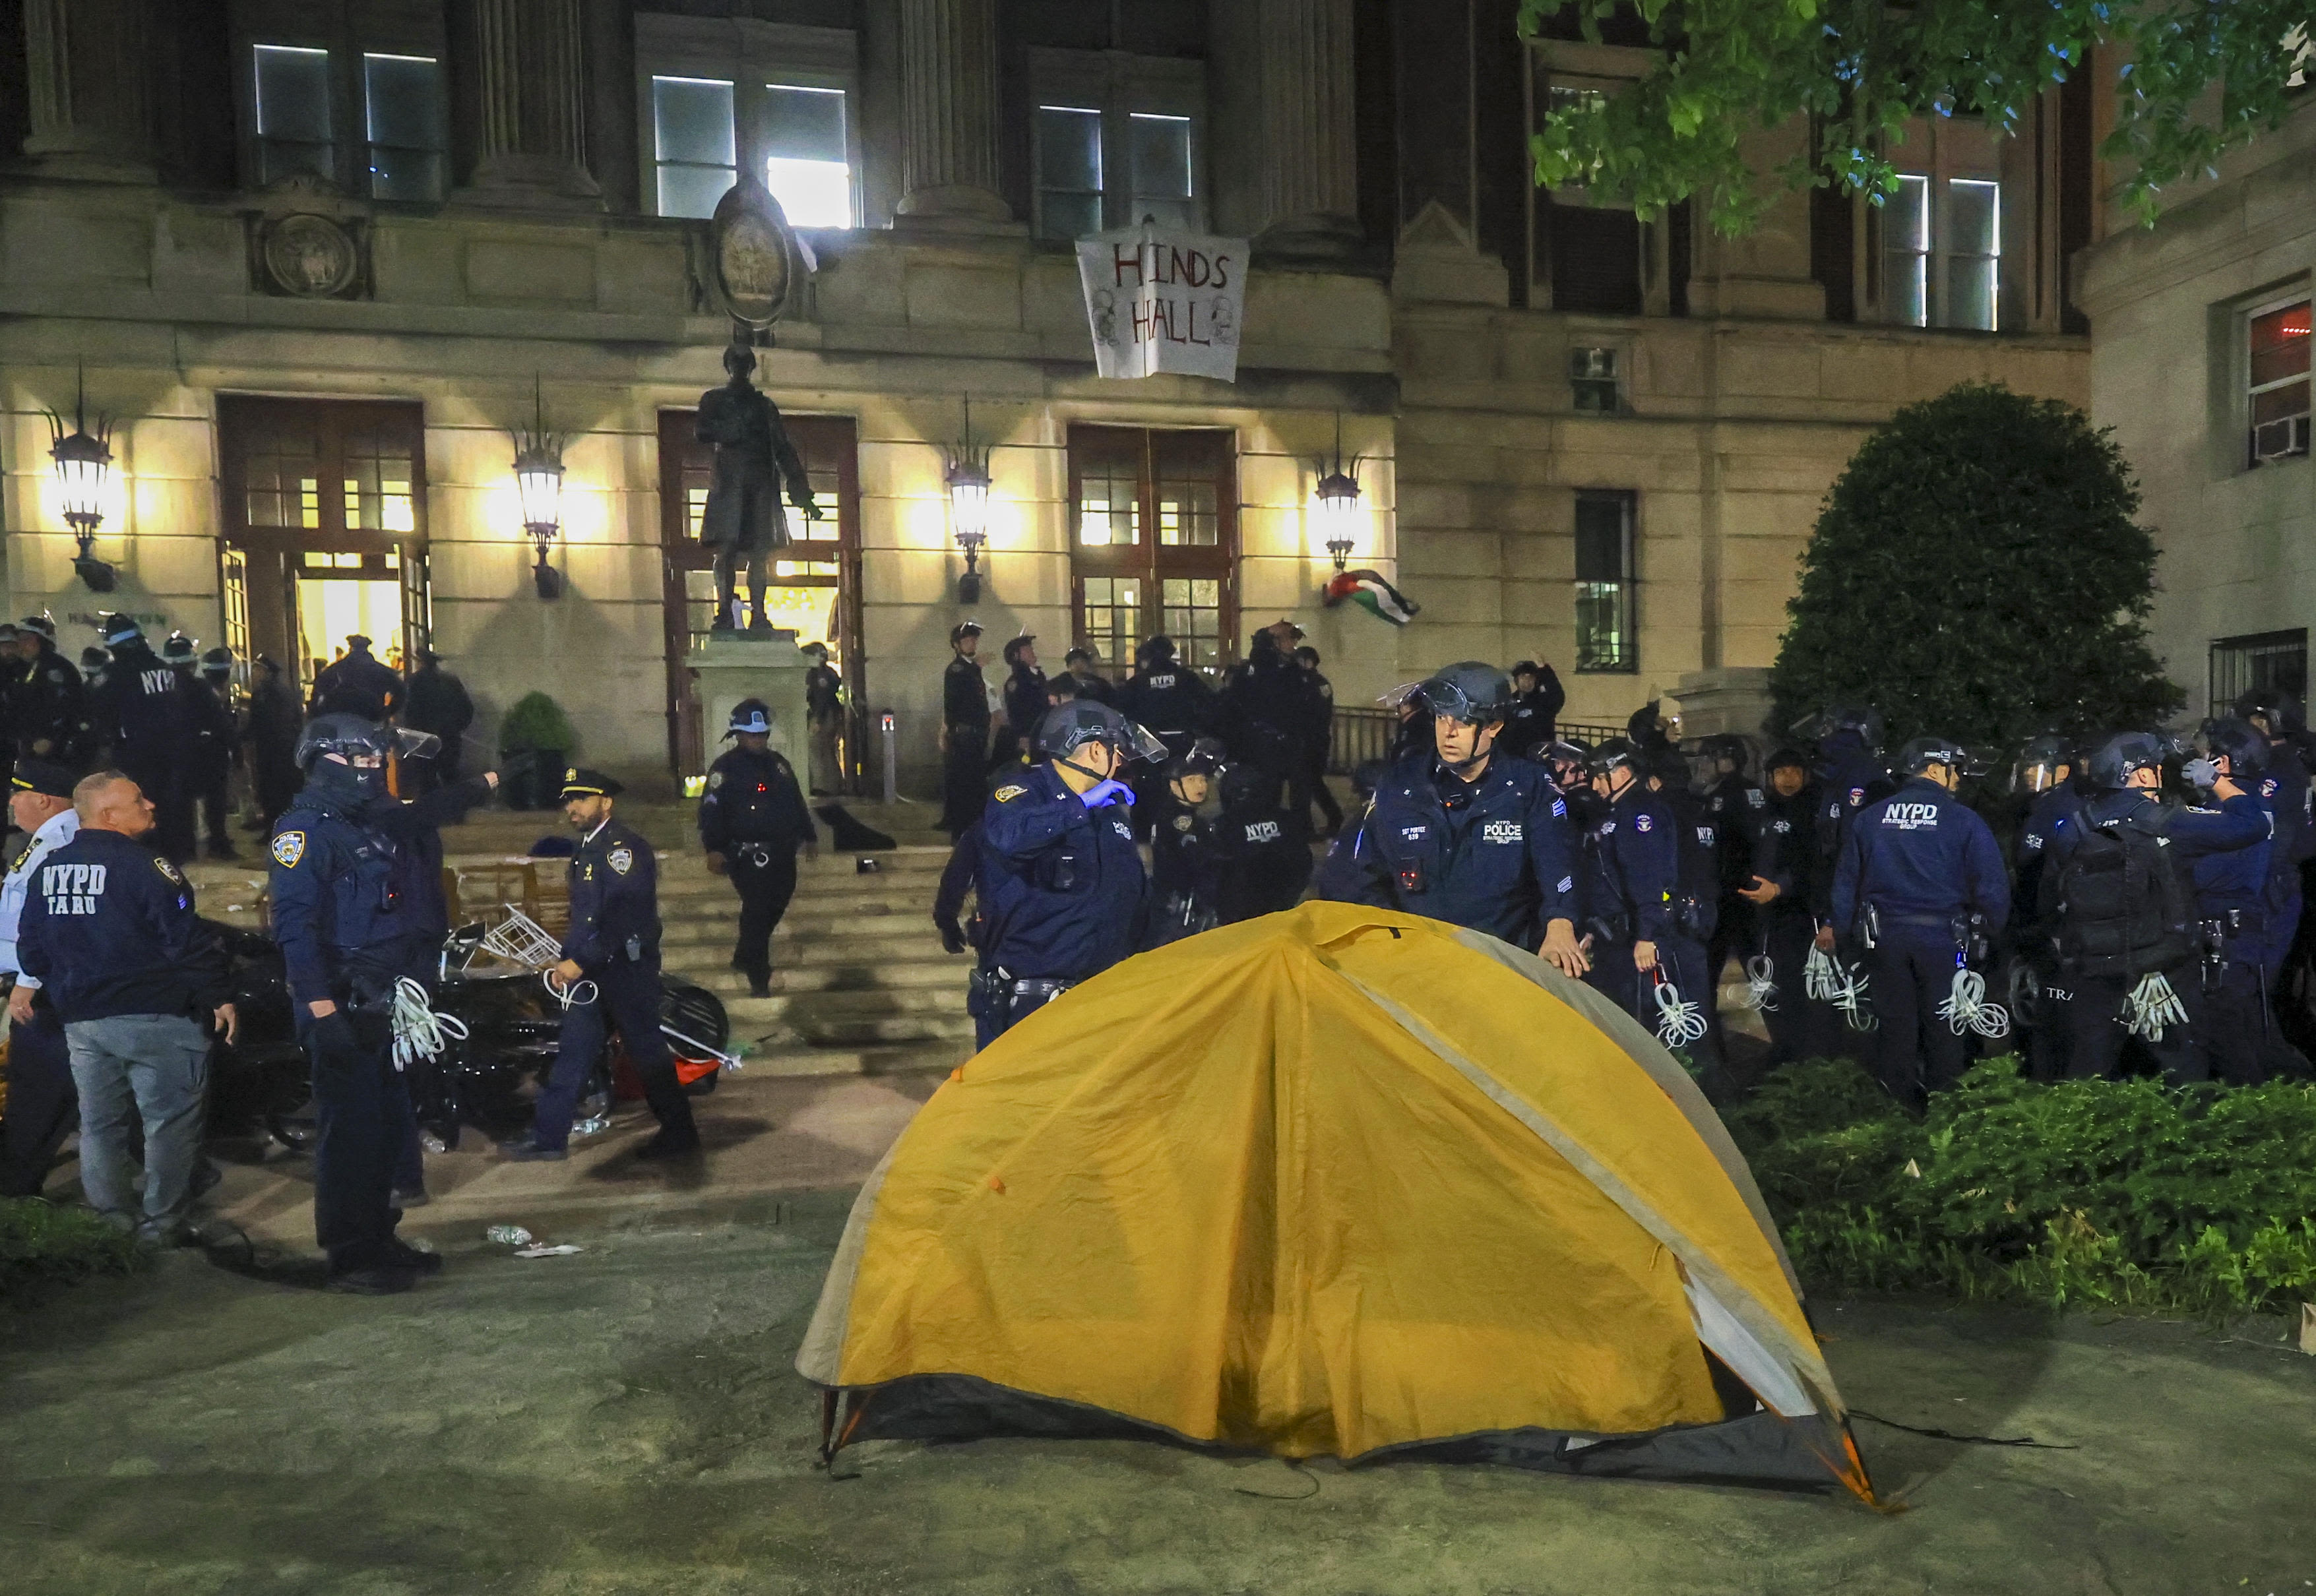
{"x":513,"y":1236}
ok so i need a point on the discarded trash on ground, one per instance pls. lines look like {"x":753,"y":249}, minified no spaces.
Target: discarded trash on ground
{"x":513,"y":1236}
{"x":543,"y":1251}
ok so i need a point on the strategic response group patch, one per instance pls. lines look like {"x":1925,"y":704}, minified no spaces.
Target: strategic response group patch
{"x":289,"y":849}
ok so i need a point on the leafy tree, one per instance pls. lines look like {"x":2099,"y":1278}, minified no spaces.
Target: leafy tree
{"x":1861,"y":69}
{"x":1976,"y":574}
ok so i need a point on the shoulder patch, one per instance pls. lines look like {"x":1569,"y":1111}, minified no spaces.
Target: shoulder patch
{"x":622,"y":860}
{"x":1008,"y":793}
{"x":715,"y":780}
{"x":23,"y":853}
{"x":169,"y":873}
{"x":1644,"y":822}
{"x":1183,"y":822}
{"x":289,"y":848}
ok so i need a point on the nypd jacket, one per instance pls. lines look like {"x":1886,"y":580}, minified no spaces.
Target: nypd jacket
{"x":1263,"y":861}
{"x":2053,"y":814}
{"x":614,"y":899}
{"x":145,"y":711}
{"x":1632,"y":868}
{"x":753,"y":797}
{"x":1061,"y":885}
{"x":109,"y":929}
{"x":1921,"y":857}
{"x":1168,"y":697}
{"x":1497,"y":854}
{"x":345,"y":922}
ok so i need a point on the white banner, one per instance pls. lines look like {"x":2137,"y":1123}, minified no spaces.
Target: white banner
{"x":1163,"y":300}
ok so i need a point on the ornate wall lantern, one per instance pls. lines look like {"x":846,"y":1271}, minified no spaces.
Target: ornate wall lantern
{"x":538,"y":483}
{"x":967,"y":480}
{"x":1338,"y":494}
{"x":83,"y":459}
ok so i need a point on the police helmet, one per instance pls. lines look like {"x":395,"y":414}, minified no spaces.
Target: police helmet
{"x":217,"y":661}
{"x":2279,"y":711}
{"x":2245,"y":749}
{"x":2113,"y":760}
{"x":1468,"y":690}
{"x":118,"y":629}
{"x":1728,"y":746}
{"x":179,"y":649}
{"x":1156,"y":650}
{"x":1922,"y":752}
{"x":1864,"y":723}
{"x":348,"y":736}
{"x":750,"y":715}
{"x":1564,"y":751}
{"x":1068,"y":727}
{"x":1204,"y":756}
{"x":1618,"y":753}
{"x":2036,"y":768}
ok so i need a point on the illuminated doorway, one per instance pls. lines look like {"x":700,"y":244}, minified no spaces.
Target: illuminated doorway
{"x":341,"y":596}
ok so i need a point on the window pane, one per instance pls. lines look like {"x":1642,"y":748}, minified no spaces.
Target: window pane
{"x":1603,"y":551}
{"x":404,"y":96}
{"x":1190,"y":613}
{"x":691,"y":121}
{"x":283,"y":484}
{"x":1970,"y":292}
{"x":1070,"y":216}
{"x":1110,"y":620}
{"x":1069,"y":149}
{"x":378,"y":486}
{"x":1108,"y":513}
{"x":2278,"y":402}
{"x":1906,"y":216}
{"x":1604,"y":626}
{"x":1973,"y":216}
{"x":293,"y":94}
{"x":692,"y":191}
{"x":813,"y":194}
{"x":2279,"y":344}
{"x":1185,"y":515}
{"x":805,"y":124}
{"x":1160,"y":147}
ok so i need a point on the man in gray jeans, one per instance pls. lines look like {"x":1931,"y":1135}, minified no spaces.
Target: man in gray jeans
{"x":110,"y":935}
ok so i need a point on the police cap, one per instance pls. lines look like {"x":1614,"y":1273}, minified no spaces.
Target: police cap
{"x":1014,"y":646}
{"x":579,"y":782}
{"x":178,"y":649}
{"x":963,"y":630}
{"x":217,"y":661}
{"x":2113,"y":760}
{"x":39,"y":624}
{"x":1075,"y":655}
{"x":1068,"y":727}
{"x":2246,"y":749}
{"x":45,"y":776}
{"x":750,"y":715}
{"x":1468,"y":690}
{"x":118,"y":629}
{"x":8,"y":632}
{"x":1922,"y":752}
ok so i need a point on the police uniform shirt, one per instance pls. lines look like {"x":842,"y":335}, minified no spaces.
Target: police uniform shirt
{"x":1168,"y":697}
{"x":614,"y":898}
{"x":1061,"y":885}
{"x":753,"y":797}
{"x":2231,"y":879}
{"x":109,"y":928}
{"x":53,"y":833}
{"x":1025,"y":698}
{"x":1182,"y":854}
{"x":146,"y":708}
{"x":1632,"y":857}
{"x":345,"y":928}
{"x":965,"y":702}
{"x":1920,"y":858}
{"x":1788,"y":828}
{"x":1501,"y":860}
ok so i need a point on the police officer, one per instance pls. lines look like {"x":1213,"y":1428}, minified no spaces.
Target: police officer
{"x":1261,"y":850}
{"x":1462,"y":837}
{"x":1744,"y":852}
{"x":751,"y":820}
{"x":1693,"y":949}
{"x":1632,"y":880}
{"x":1920,"y":879}
{"x":111,"y":934}
{"x":1061,"y":883}
{"x":271,"y":730}
{"x":1783,"y":897}
{"x":2283,"y":785}
{"x":350,"y":931}
{"x":2121,"y":886}
{"x":1084,"y":671}
{"x":2234,"y":1039}
{"x":1184,"y":893}
{"x":1025,"y":698}
{"x":46,"y":702}
{"x":42,"y":1105}
{"x":435,"y":702}
{"x":1536,"y":700}
{"x":359,"y":684}
{"x":2041,"y":1002}
{"x":215,"y":744}
{"x":612,"y":948}
{"x":1166,"y":695}
{"x":965,"y":732}
{"x":148,"y":713}
{"x":1319,"y":740}
{"x":823,"y":716}
{"x":1270,"y":713}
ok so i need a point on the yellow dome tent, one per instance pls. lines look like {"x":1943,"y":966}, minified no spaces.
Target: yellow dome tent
{"x":1339,"y":1181}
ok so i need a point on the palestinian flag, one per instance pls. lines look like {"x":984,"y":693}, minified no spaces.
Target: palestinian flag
{"x":1371,"y":593}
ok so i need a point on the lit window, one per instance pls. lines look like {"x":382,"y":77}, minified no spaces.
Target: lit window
{"x":1606,"y":638}
{"x":1906,"y":251}
{"x":1069,"y":171}
{"x":693,"y":146}
{"x":403,"y":111}
{"x":1110,"y":616}
{"x":1161,"y":149}
{"x":1109,"y":508}
{"x":293,"y":114}
{"x":1941,"y":227}
{"x":805,"y":163}
{"x":2278,"y":389}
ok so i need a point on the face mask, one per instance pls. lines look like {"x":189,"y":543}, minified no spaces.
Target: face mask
{"x":348,"y":781}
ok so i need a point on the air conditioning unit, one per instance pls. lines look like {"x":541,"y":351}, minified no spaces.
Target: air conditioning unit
{"x":2279,"y":440}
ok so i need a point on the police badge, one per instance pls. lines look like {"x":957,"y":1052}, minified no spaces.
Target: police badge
{"x":289,"y":849}
{"x":622,"y":859}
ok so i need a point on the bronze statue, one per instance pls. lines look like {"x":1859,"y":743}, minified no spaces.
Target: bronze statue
{"x":744,"y":518}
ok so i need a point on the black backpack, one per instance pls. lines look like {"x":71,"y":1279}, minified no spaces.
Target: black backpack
{"x":2125,"y":901}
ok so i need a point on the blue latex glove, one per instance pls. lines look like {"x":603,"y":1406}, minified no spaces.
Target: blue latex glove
{"x":1105,"y":792}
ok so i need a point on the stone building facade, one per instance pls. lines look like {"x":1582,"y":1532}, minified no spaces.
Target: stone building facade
{"x":316,"y":259}
{"x":2200,"y":364}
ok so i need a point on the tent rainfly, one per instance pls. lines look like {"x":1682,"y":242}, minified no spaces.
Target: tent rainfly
{"x":1337,"y":1181}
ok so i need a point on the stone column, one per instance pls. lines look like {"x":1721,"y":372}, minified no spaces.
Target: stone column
{"x":86,"y":79}
{"x":949,"y":113}
{"x":1310,"y":173}
{"x":533,"y":80}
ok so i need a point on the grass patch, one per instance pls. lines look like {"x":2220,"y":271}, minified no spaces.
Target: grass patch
{"x":2129,"y":1194}
{"x":42,"y":1245}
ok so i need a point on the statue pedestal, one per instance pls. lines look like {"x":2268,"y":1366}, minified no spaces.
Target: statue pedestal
{"x":1726,"y":698}
{"x":766,"y":665}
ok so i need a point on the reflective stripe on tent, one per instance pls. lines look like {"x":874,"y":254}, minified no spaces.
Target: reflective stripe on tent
{"x":1338,"y":1182}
